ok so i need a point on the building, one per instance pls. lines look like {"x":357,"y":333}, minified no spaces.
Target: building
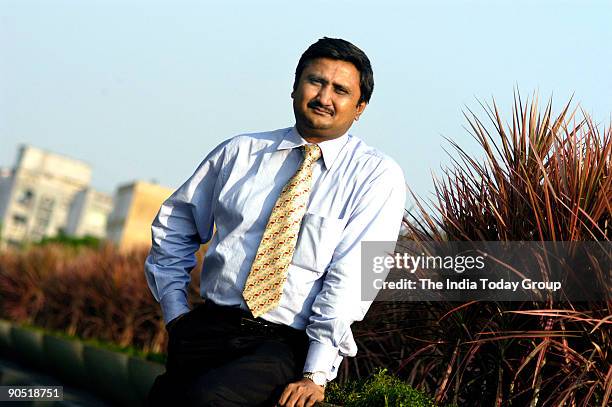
{"x":6,"y":177}
{"x":38,"y":194}
{"x":136,"y":205}
{"x":89,"y":213}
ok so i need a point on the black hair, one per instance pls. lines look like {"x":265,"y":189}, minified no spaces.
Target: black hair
{"x":336,"y":48}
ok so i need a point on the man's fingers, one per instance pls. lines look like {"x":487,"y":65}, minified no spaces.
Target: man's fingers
{"x":305,"y":397}
{"x":292,"y":396}
{"x":301,"y":394}
{"x":311,"y":400}
{"x":286,"y":393}
{"x":295,"y":398}
{"x":314,"y":397}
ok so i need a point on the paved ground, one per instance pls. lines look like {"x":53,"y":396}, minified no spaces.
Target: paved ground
{"x":12,"y":374}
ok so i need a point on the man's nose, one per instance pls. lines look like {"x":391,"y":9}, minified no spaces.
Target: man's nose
{"x":325,"y":95}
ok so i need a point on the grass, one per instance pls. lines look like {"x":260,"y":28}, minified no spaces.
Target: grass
{"x":381,"y":389}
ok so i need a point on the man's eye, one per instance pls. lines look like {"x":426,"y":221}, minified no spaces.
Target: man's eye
{"x":342,"y":91}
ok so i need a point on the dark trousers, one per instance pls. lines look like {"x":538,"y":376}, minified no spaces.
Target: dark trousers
{"x":218,"y":356}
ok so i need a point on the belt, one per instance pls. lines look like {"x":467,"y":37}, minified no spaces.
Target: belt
{"x":247,"y":323}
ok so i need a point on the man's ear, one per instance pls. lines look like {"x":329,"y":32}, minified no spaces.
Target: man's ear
{"x":360,"y":108}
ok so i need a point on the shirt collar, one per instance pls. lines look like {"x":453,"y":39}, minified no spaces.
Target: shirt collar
{"x":330,"y":149}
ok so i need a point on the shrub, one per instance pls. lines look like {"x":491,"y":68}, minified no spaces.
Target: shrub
{"x":542,"y":178}
{"x":94,"y":293}
{"x":65,"y":240}
{"x":381,"y":389}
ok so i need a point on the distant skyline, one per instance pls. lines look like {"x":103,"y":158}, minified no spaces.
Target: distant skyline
{"x":145,"y":89}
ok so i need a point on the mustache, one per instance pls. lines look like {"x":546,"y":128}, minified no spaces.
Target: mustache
{"x":316,"y":104}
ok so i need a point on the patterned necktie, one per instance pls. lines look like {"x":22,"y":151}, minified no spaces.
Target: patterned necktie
{"x":264,"y":286}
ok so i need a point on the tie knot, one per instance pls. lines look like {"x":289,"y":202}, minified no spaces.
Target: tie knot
{"x":312,"y":152}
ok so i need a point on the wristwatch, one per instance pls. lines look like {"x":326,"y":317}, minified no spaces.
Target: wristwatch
{"x":317,"y":377}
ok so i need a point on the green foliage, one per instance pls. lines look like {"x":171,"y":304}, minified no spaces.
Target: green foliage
{"x":381,"y":389}
{"x":129,"y":350}
{"x":111,"y":346}
{"x":71,"y":241}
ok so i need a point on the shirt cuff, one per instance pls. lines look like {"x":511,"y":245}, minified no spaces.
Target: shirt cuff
{"x":174,"y":304}
{"x":321,"y":358}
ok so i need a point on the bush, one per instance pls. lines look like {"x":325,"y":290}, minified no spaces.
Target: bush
{"x":65,"y":240}
{"x":544,"y":178}
{"x":93,"y":293}
{"x":379,"y":390}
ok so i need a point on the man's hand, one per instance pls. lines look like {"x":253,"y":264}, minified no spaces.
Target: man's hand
{"x":303,"y":393}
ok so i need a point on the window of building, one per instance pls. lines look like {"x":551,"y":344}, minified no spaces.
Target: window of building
{"x":46,"y":203}
{"x":20,"y":219}
{"x":13,"y":243}
{"x":26,"y":197}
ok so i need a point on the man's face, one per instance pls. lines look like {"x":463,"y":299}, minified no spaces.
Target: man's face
{"x":325,"y":99}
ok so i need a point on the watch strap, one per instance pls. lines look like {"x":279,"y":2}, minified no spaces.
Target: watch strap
{"x":317,"y":378}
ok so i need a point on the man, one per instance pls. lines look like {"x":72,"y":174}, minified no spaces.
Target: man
{"x":281,"y":277}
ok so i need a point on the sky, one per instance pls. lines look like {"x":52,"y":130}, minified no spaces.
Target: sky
{"x":143,"y":90}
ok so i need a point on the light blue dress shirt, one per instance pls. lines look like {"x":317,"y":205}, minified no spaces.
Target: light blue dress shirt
{"x":357,"y":195}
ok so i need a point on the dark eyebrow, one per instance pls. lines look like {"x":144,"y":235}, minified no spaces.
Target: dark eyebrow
{"x":342,"y":88}
{"x":324,"y":81}
{"x":318,"y":78}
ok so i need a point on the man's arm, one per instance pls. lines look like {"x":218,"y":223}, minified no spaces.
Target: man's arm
{"x":184,"y":222}
{"x":377,"y":216}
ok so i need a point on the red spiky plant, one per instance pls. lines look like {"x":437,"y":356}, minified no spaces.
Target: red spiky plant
{"x":544,"y":178}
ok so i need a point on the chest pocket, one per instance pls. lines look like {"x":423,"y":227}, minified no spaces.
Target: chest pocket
{"x":317,"y":241}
